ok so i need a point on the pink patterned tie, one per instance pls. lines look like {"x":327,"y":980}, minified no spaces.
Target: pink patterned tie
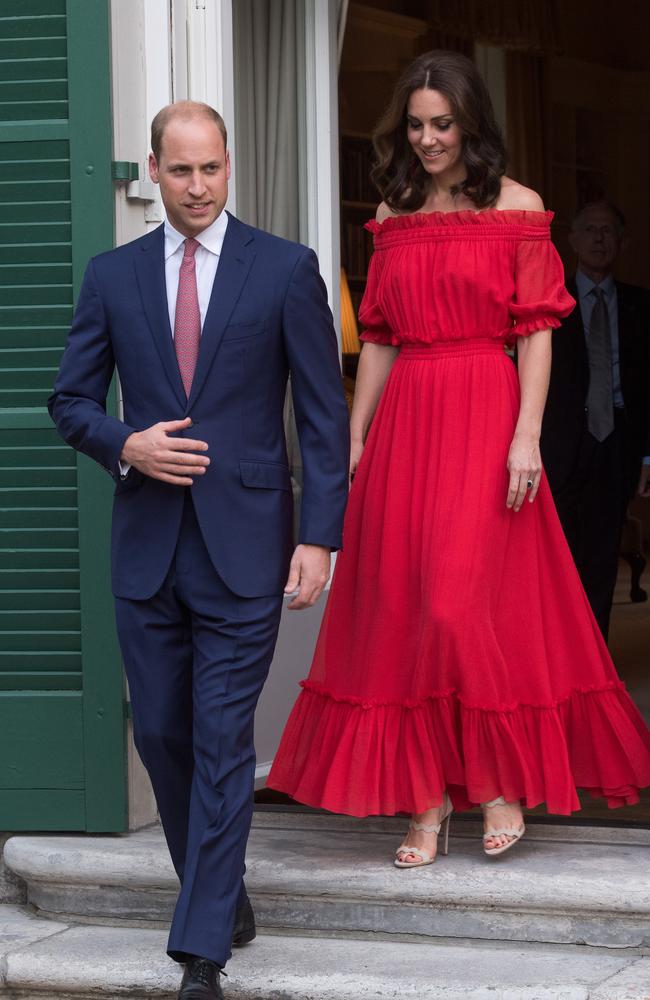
{"x":187,"y":321}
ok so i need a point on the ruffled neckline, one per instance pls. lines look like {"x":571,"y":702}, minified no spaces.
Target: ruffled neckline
{"x":463,"y":217}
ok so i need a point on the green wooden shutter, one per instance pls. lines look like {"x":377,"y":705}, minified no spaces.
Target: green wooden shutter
{"x":61,"y":704}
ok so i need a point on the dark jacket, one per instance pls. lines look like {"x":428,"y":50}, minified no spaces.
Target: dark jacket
{"x":565,"y":417}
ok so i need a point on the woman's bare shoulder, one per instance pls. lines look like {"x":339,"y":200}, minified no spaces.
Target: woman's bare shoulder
{"x":384,"y":212}
{"x":515,"y":196}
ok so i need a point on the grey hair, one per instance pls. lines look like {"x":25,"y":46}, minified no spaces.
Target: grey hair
{"x":613,"y":210}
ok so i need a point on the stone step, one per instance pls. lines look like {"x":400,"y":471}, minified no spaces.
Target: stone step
{"x":559,"y":885}
{"x":41,"y":960}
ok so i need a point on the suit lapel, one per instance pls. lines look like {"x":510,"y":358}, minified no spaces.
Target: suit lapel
{"x":626,"y":325}
{"x":575,"y":327}
{"x":150,"y":273}
{"x":235,"y":260}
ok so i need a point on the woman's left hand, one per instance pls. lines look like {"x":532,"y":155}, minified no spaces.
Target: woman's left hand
{"x":524,"y":466}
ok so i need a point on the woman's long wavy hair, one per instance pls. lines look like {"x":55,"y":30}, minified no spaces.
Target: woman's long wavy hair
{"x":398,"y":174}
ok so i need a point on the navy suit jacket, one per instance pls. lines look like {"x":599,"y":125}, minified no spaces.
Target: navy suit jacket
{"x":268,"y":318}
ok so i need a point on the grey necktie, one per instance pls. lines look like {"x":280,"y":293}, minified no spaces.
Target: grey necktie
{"x":600,"y":398}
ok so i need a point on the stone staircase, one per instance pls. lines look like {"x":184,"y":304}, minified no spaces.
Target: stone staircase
{"x":566,"y":916}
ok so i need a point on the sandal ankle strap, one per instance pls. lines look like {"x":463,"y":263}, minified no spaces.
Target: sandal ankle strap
{"x":425,"y":827}
{"x":500,"y":801}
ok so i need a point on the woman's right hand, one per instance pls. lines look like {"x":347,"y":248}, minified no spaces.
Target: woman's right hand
{"x":356,"y":451}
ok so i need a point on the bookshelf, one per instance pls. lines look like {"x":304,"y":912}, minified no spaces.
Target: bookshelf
{"x":359,"y":201}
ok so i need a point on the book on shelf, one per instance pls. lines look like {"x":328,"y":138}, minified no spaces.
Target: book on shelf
{"x":356,"y":163}
{"x":356,"y":249}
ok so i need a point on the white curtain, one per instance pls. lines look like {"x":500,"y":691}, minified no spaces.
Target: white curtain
{"x":341,"y":24}
{"x":272,"y":135}
{"x":269,"y":44}
{"x":270,"y":144}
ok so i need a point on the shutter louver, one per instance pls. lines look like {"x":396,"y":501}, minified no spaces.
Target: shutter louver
{"x":39,"y":544}
{"x":61,"y":710}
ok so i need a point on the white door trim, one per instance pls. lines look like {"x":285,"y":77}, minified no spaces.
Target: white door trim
{"x":203,"y":69}
{"x":321,"y":73}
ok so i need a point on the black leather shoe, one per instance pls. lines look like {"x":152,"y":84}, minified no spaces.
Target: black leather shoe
{"x":244,"y":930}
{"x":201,"y":981}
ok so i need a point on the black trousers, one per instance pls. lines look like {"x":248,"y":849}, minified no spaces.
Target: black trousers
{"x":592,"y":505}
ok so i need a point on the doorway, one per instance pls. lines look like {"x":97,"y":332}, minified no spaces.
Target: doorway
{"x":570,"y":88}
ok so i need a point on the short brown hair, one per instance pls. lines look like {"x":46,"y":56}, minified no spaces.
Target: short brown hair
{"x":185,"y":110}
{"x":398,"y":174}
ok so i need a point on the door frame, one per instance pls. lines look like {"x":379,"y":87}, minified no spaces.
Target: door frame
{"x":92,"y":198}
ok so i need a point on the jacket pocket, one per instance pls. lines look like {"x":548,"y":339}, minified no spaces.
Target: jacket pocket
{"x":133,"y":479}
{"x":242,"y":331}
{"x":265,"y":475}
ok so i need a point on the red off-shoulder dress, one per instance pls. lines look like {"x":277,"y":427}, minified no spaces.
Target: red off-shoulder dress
{"x":458,"y":650}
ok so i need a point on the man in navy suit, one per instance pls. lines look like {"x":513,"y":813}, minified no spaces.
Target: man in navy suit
{"x":205,"y":319}
{"x":596,"y":428}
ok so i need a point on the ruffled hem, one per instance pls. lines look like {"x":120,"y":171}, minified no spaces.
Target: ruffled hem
{"x":524,"y":327}
{"x":464,"y":217}
{"x":381,"y":337}
{"x":521,"y":328}
{"x":361,"y":758}
{"x":507,"y":222}
{"x":369,"y":704}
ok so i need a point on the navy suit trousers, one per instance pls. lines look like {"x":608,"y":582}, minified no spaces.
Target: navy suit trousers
{"x":196,"y":657}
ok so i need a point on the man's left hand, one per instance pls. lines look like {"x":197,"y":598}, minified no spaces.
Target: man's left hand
{"x":643,"y":488}
{"x":308,"y":573}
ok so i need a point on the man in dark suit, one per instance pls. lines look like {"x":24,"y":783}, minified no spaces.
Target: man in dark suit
{"x":205,"y":318}
{"x":596,"y":429}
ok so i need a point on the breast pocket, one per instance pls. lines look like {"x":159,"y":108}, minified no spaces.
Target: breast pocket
{"x":244,"y":331}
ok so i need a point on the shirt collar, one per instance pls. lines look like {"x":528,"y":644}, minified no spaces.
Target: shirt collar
{"x":211,"y":238}
{"x":585,"y":285}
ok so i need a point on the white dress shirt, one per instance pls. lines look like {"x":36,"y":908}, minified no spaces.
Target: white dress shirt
{"x":207,"y":261}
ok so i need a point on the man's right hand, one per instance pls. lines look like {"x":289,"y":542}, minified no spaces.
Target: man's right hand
{"x":643,"y":489}
{"x":166,"y":458}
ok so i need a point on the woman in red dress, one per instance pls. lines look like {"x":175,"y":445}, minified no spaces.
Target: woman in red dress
{"x":458,"y":659}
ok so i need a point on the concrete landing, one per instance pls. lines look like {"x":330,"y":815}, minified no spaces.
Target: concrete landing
{"x":104,"y":963}
{"x":318,"y":874}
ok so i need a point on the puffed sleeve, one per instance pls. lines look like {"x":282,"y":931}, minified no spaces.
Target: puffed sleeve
{"x":541,"y":300}
{"x":376,"y":329}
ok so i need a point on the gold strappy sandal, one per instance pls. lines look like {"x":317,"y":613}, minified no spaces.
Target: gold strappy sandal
{"x":513,"y":833}
{"x":426,"y":858}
